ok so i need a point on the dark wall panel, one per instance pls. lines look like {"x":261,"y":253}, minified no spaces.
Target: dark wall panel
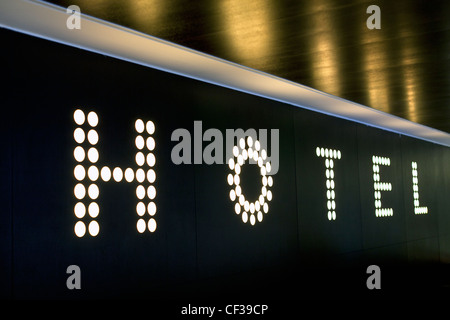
{"x":6,"y":161}
{"x":444,"y":204}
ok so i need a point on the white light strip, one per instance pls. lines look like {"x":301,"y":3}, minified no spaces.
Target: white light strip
{"x":49,"y":22}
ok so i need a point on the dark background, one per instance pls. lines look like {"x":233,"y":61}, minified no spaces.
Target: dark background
{"x":201,"y":249}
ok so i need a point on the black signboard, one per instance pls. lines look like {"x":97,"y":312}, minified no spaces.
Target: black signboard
{"x":154,"y":185}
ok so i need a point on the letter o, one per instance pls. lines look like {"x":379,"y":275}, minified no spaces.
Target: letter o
{"x":250,"y":211}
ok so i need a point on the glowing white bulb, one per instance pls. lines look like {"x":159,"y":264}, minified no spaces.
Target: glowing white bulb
{"x":232,"y":195}
{"x":244,"y":217}
{"x":260,"y":162}
{"x":238,"y":191}
{"x":240,"y":160}
{"x":231,"y":164}
{"x":139,"y":142}
{"x":79,"y":154}
{"x":151,"y":225}
{"x":257,"y":205}
{"x":80,"y":229}
{"x":105,"y":174}
{"x":140,"y":225}
{"x":92,"y":137}
{"x":241,"y":199}
{"x":151,"y":175}
{"x":252,"y":220}
{"x":140,"y":159}
{"x":140,"y":175}
{"x":150,"y":126}
{"x":79,"y":117}
{"x":117,"y":174}
{"x":257,"y":145}
{"x":260,"y":216}
{"x":92,"y":119}
{"x":93,"y":155}
{"x":246,"y":205}
{"x":151,"y":208}
{"x":80,"y":210}
{"x":93,"y":209}
{"x":79,"y":172}
{"x":79,"y":135}
{"x":244,"y":155}
{"x":94,"y":228}
{"x":235,"y":151}
{"x":93,"y":173}
{"x":255,"y":155}
{"x":140,"y":209}
{"x":150,"y":143}
{"x":230,"y":179}
{"x":250,"y":141}
{"x":79,"y":191}
{"x":151,"y":192}
{"x":140,"y":192}
{"x":250,"y":153}
{"x":93,"y":191}
{"x":129,"y":174}
{"x":139,"y":125}
{"x":263,"y":170}
{"x":242,"y":143}
{"x":151,"y":160}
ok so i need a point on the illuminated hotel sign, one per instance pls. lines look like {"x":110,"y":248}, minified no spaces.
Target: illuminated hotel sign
{"x":144,"y":173}
{"x":152,"y":182}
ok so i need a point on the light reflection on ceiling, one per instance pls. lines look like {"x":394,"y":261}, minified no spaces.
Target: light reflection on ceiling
{"x":325,"y":50}
{"x":403,"y":68}
{"x":248,"y":34}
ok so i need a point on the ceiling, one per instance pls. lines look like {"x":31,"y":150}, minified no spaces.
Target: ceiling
{"x":402,"y":68}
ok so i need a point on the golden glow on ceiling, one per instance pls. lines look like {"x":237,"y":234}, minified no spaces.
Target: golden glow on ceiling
{"x":376,"y":61}
{"x":147,"y":14}
{"x":325,"y":60}
{"x":411,"y":92}
{"x":411,"y":66}
{"x":247,"y":29}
